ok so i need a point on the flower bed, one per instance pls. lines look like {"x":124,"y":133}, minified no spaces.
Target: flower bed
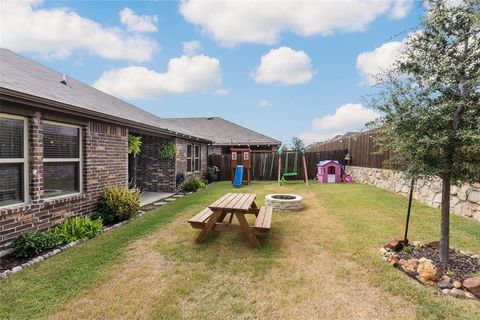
{"x":10,"y":265}
{"x":459,"y":277}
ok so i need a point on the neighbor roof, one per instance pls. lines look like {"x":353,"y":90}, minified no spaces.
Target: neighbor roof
{"x":222,"y":132}
{"x":27,"y":77}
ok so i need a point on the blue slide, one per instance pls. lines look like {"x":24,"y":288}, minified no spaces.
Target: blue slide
{"x":237,"y":181}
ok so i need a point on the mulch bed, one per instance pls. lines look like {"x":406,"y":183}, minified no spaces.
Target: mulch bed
{"x":459,"y":267}
{"x":8,"y":262}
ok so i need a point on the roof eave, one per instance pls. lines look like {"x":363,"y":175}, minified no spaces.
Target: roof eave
{"x":17,"y":96}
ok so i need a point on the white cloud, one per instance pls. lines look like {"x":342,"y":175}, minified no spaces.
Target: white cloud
{"x":264,"y":103}
{"x":400,"y":8}
{"x":183,"y":75}
{"x":284,"y":65}
{"x":138,"y":23}
{"x":221,"y":92}
{"x":348,"y":117}
{"x":233,"y":22}
{"x":191,"y":48}
{"x":56,"y":32}
{"x":381,"y":59}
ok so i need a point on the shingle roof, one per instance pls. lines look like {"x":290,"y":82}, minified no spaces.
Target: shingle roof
{"x":222,"y":132}
{"x":20,"y":74}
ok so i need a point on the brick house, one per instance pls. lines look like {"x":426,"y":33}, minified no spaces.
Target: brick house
{"x":224,"y":134}
{"x":62,"y":142}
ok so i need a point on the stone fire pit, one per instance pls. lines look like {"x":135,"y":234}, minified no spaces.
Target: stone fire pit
{"x":284,"y":202}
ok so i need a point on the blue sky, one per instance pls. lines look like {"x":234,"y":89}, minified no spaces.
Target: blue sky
{"x":322,"y":101}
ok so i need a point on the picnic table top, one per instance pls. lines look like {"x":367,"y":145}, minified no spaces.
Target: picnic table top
{"x":234,"y":201}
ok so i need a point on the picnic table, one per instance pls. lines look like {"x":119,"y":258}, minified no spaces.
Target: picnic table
{"x":238,"y":205}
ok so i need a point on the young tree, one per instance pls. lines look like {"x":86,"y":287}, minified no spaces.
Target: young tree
{"x":297,"y":143}
{"x":430,"y":101}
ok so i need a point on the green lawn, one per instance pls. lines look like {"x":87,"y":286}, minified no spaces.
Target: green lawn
{"x":320,"y":263}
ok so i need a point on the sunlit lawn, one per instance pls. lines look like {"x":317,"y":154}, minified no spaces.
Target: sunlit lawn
{"x":322,"y":263}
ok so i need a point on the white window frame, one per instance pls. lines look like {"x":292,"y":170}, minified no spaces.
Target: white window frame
{"x":195,"y":157}
{"x":79,"y":159}
{"x":24,"y":160}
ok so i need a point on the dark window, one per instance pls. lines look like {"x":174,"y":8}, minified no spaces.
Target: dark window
{"x":12,"y":159}
{"x":60,"y":178}
{"x":189,"y":157}
{"x":60,"y":142}
{"x":11,"y":186}
{"x":61,"y":161}
{"x":197,"y":158}
{"x":11,"y":138}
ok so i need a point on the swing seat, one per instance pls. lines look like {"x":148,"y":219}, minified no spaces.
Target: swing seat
{"x":289,"y":174}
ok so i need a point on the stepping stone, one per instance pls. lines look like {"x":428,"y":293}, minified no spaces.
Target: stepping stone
{"x":148,"y":207}
{"x":160,"y":203}
{"x":178,"y":196}
{"x":169,"y":199}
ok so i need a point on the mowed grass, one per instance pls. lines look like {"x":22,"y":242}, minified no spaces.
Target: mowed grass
{"x":320,"y":263}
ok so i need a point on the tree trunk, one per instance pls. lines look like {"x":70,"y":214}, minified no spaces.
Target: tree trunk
{"x":445,"y":226}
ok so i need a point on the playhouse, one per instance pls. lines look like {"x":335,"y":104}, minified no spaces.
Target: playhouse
{"x":329,"y":171}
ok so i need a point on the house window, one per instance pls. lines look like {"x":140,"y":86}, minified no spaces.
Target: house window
{"x":197,"y":158}
{"x":13,"y":159}
{"x":61,"y":159}
{"x":189,"y":157}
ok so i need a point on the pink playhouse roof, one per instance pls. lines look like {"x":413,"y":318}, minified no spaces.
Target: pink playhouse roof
{"x":325,"y":162}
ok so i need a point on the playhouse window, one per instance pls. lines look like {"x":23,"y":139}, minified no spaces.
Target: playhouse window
{"x":331,"y":170}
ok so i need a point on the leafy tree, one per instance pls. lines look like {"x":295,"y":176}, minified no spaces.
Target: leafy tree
{"x":297,"y":143}
{"x":430,"y":101}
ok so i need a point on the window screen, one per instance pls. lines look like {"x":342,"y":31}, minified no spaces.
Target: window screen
{"x":12,"y":159}
{"x":61,"y":162}
{"x":197,"y":158}
{"x":60,"y":178}
{"x":11,"y":186}
{"x":60,"y":142}
{"x":11,"y":138}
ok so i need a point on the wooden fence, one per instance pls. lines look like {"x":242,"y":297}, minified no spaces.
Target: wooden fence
{"x":362,"y":149}
{"x":265,"y":165}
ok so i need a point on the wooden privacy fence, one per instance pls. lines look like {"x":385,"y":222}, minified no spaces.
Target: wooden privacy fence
{"x":265,"y":165}
{"x":362,"y":149}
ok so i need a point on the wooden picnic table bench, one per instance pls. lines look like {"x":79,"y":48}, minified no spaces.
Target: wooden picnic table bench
{"x":238,"y":205}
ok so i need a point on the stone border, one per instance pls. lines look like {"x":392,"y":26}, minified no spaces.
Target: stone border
{"x":294,"y":204}
{"x":444,"y":286}
{"x":54,"y":252}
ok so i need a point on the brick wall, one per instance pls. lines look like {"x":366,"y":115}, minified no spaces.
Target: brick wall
{"x":105,"y":149}
{"x":154,"y":174}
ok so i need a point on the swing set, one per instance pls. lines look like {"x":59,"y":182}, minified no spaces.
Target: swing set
{"x":282,"y":177}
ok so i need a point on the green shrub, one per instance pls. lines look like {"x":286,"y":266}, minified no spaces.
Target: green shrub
{"x":78,"y":228}
{"x":31,"y":244}
{"x":192,"y":185}
{"x":167,"y":151}
{"x":118,"y":203}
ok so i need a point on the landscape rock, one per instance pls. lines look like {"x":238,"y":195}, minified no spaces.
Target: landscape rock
{"x":3,"y":275}
{"x":393,"y":259}
{"x":457,"y":284}
{"x":444,"y":285}
{"x":427,"y":272}
{"x":457,"y":293}
{"x":395,"y":244}
{"x":409,"y":265}
{"x":473,"y":285}
{"x":469,"y":295}
{"x":16,"y":269}
{"x":434,"y":244}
